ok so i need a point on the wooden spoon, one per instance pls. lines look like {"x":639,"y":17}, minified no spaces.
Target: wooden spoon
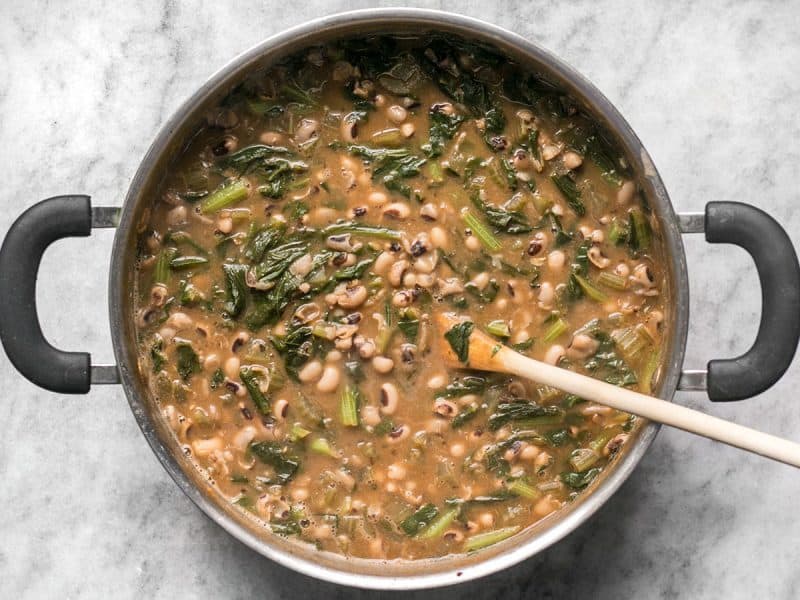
{"x":487,"y":354}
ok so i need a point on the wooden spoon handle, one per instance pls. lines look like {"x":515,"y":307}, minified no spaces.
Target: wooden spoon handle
{"x":654,"y":409}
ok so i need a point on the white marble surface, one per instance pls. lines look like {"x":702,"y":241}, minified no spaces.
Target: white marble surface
{"x":85,"y":509}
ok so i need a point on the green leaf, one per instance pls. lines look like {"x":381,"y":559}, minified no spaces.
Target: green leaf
{"x":495,"y":122}
{"x":264,"y":239}
{"x":523,"y":346}
{"x":285,"y":527}
{"x":408,"y":323}
{"x":418,"y":521}
{"x":601,"y":153}
{"x":404,"y":77}
{"x":458,"y":338}
{"x":531,"y":412}
{"x":442,"y":128}
{"x":561,"y":236}
{"x":156,"y":354}
{"x":503,"y":219}
{"x":607,"y":365}
{"x":235,"y":289}
{"x":355,"y":271}
{"x":487,"y":294}
{"x":296,"y":209}
{"x":464,"y":415}
{"x":188,"y":362}
{"x":190,"y":295}
{"x":251,"y":378}
{"x":296,"y":347}
{"x":557,"y":437}
{"x":390,"y":166}
{"x":278,"y":457}
{"x":568,"y":188}
{"x":578,"y":481}
{"x":469,"y":384}
{"x":217,"y":379}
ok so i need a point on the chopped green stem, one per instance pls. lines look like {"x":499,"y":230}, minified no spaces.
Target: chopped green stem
{"x":485,"y":236}
{"x":520,"y":487}
{"x":321,"y":445}
{"x":602,"y":439}
{"x":161,"y":270}
{"x":617,"y":233}
{"x":439,"y":525}
{"x":381,"y":233}
{"x":499,"y":328}
{"x":591,"y":290}
{"x":298,"y":432}
{"x":187,"y":262}
{"x":388,"y":137}
{"x":648,"y":371}
{"x":348,"y":406}
{"x":631,"y":340}
{"x":583,"y":458}
{"x":435,"y":173}
{"x":640,"y":233}
{"x":482,"y":540}
{"x":612,"y":280}
{"x":384,"y":337}
{"x":224,"y":196}
{"x":181,"y":237}
{"x":557,"y":329}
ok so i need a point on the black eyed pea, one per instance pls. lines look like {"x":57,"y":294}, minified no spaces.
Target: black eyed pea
{"x":597,"y":259}
{"x":306,"y":130}
{"x":370,"y":415}
{"x":396,"y":272}
{"x":398,"y":434}
{"x":403,"y":298}
{"x":397,"y":210}
{"x":382,"y":263}
{"x":554,"y":354}
{"x":280,"y":409}
{"x":382,"y":364}
{"x":626,"y":192}
{"x":329,"y":380}
{"x":389,"y":398}
{"x":396,"y":114}
{"x":429,"y":212}
{"x":572,"y":160}
{"x":445,"y":408}
{"x":582,"y":346}
{"x":352,"y":297}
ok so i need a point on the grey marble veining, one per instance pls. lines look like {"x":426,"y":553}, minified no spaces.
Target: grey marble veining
{"x":85,"y":509}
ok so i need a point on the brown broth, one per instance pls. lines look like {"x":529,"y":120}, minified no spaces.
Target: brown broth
{"x":588,"y":298}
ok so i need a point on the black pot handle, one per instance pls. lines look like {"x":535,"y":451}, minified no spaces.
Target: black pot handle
{"x":20,"y":257}
{"x":779,"y":274}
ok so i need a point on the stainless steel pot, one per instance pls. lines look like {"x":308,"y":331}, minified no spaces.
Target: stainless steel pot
{"x":70,"y":372}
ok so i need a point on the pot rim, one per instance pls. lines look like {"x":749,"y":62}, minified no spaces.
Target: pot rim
{"x":467,"y":26}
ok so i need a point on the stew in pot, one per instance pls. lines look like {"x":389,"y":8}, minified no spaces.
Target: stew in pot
{"x":304,"y":239}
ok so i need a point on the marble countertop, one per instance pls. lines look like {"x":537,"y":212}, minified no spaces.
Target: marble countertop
{"x":86,"y":510}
